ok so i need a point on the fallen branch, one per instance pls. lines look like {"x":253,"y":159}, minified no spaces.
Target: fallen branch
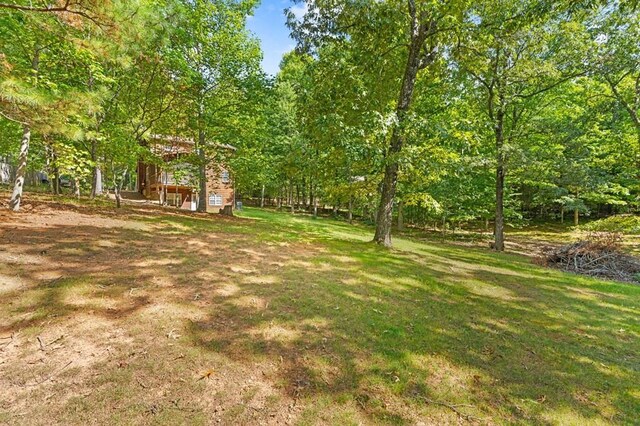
{"x":454,"y":408}
{"x":600,"y":255}
{"x":56,"y":340}
{"x":51,"y":376}
{"x":8,"y":342}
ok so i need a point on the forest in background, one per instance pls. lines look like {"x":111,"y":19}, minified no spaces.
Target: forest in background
{"x":410,"y":111}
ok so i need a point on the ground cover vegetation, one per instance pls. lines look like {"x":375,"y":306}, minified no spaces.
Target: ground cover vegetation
{"x":150,"y":315}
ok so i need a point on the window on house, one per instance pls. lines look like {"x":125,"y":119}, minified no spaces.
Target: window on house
{"x":225,"y":176}
{"x":215,"y":200}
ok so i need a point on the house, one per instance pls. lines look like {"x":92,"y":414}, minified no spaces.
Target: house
{"x":173,"y":182}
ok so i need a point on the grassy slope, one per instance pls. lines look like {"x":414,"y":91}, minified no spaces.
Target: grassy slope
{"x":357,"y":333}
{"x":470,"y":326}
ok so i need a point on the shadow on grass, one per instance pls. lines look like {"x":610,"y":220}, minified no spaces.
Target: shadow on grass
{"x":380,"y":332}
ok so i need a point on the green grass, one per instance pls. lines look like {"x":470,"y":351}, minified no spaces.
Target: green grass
{"x":525,"y":332}
{"x":344,"y":331}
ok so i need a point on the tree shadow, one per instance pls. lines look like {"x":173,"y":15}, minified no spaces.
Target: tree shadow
{"x":528,"y":343}
{"x":384,"y":333}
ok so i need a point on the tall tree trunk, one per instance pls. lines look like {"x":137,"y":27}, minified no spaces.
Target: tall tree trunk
{"x":499,"y":222}
{"x":16,"y":196}
{"x":350,"y":217}
{"x":293,"y":209}
{"x":96,"y":181}
{"x":202,"y":166}
{"x":562,"y":214}
{"x":305,"y":201}
{"x":117,"y":187}
{"x":94,"y":171}
{"x":262,"y":196}
{"x":76,"y":186}
{"x":315,"y":207}
{"x":576,"y":217}
{"x":400,"y":216}
{"x":49,"y":154}
{"x":98,"y":173}
{"x":96,"y":178}
{"x":116,"y":191}
{"x":56,"y":174}
{"x":416,"y":60}
{"x":202,"y":169}
{"x":18,"y":187}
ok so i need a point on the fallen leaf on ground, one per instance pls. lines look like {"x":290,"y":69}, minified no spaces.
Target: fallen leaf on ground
{"x":206,"y":374}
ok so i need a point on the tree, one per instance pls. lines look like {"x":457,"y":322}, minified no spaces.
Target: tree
{"x":407,"y":36}
{"x":39,"y":88}
{"x":29,"y":93}
{"x":515,"y":54}
{"x":615,"y":60}
{"x":219,"y":56}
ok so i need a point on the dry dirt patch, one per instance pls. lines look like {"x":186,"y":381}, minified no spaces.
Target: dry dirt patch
{"x":95,"y":319}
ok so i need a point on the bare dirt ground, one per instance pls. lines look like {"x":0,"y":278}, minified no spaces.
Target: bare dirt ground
{"x":101,"y":305}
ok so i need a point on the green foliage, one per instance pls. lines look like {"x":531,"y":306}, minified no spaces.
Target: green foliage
{"x":559,"y":77}
{"x":627,"y":224}
{"x":95,"y":80}
{"x":543,"y":72}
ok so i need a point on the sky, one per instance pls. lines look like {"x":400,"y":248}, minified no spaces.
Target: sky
{"x":268,"y":24}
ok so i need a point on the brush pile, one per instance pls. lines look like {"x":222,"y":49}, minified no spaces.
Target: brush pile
{"x":599,"y":255}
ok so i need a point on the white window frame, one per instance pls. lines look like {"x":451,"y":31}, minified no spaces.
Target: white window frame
{"x":224,"y":177}
{"x":215,"y":200}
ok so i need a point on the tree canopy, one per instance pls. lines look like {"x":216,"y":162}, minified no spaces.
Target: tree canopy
{"x":429,"y":113}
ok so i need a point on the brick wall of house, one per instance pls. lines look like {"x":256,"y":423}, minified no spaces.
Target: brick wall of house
{"x":216,"y":186}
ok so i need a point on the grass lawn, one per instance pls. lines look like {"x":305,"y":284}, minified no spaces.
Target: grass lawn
{"x":149,"y":316}
{"x":536,"y":239}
